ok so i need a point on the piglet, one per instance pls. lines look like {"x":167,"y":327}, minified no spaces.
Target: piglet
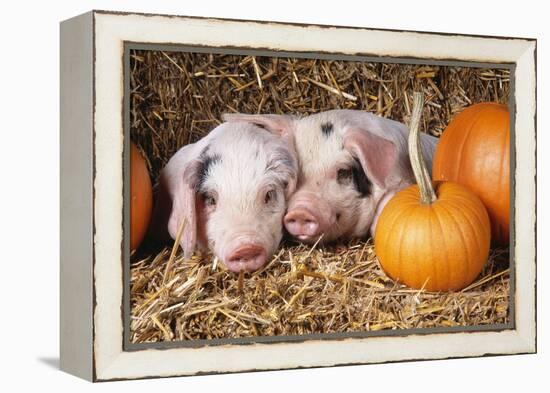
{"x":231,"y":188}
{"x":351,"y":164}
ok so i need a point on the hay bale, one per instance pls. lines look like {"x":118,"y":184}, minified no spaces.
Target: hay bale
{"x":177,"y":98}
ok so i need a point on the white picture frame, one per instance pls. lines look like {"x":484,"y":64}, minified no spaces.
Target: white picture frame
{"x":92,"y":177}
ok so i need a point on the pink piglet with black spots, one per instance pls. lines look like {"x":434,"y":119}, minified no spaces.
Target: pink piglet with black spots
{"x":231,"y":188}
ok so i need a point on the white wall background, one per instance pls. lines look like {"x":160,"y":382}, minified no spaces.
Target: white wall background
{"x":29,"y":197}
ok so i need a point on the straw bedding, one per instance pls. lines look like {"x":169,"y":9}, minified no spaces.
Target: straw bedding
{"x":176,"y":98}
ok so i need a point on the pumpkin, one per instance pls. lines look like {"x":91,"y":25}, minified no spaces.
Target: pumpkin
{"x":474,"y":151}
{"x":432,"y":236}
{"x":141,"y":197}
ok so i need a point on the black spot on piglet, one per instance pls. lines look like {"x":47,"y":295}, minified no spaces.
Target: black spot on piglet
{"x":360,"y":180}
{"x":327,"y":128}
{"x":207,"y":160}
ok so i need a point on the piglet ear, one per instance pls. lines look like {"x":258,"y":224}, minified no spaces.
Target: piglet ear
{"x":377,"y":155}
{"x":184,"y":209}
{"x":281,"y":125}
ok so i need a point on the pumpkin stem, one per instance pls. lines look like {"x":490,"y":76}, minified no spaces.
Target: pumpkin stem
{"x":421,"y":174}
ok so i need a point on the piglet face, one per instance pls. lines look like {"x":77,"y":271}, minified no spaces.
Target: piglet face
{"x":338,"y":191}
{"x":335,"y":202}
{"x":242,"y":195}
{"x":239,"y":182}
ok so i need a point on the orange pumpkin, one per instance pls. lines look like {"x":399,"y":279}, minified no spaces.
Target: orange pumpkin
{"x":429,"y":237}
{"x":141,"y":193}
{"x":474,"y":151}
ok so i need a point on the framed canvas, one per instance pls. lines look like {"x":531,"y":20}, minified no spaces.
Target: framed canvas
{"x":225,"y":185}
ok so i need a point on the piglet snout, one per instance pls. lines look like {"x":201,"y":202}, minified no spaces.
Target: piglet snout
{"x":301,"y":223}
{"x":248,"y":257}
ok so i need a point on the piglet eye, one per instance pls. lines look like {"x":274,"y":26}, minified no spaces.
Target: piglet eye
{"x":209,"y":200}
{"x":344,"y":176}
{"x":271,"y":195}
